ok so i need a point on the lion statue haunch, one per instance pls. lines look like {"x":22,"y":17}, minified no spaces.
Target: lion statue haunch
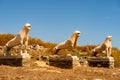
{"x":20,"y":39}
{"x":105,"y":46}
{"x":70,"y":42}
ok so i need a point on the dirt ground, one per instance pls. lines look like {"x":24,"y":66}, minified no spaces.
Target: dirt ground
{"x":38,"y":70}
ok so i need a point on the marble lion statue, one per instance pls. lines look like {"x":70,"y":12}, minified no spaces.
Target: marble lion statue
{"x":105,"y":47}
{"x":20,"y":39}
{"x":70,"y":42}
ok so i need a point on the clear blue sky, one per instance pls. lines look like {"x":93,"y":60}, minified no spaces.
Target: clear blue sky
{"x":55,"y":20}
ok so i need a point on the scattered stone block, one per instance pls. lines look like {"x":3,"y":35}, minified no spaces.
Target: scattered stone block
{"x":83,"y":61}
{"x":26,"y":59}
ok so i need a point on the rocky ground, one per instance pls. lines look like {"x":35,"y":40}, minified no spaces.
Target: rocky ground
{"x":38,"y":70}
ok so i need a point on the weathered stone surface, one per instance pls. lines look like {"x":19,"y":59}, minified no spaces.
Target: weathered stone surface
{"x":26,"y":59}
{"x":101,"y":62}
{"x":11,"y":60}
{"x":63,"y":61}
{"x":16,"y":60}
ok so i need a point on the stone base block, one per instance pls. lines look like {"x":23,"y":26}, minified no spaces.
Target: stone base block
{"x":18,"y":60}
{"x":63,"y":61}
{"x":101,"y":62}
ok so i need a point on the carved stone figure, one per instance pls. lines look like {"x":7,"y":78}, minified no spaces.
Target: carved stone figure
{"x":70,"y":42}
{"x":105,"y":46}
{"x":20,"y":39}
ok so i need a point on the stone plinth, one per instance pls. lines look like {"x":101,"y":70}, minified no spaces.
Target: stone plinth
{"x":11,"y":60}
{"x":63,"y":61}
{"x":101,"y":62}
{"x":17,"y":60}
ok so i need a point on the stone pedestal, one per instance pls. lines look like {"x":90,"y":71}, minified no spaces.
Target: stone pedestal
{"x":101,"y":62}
{"x":63,"y":61}
{"x":17,"y":60}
